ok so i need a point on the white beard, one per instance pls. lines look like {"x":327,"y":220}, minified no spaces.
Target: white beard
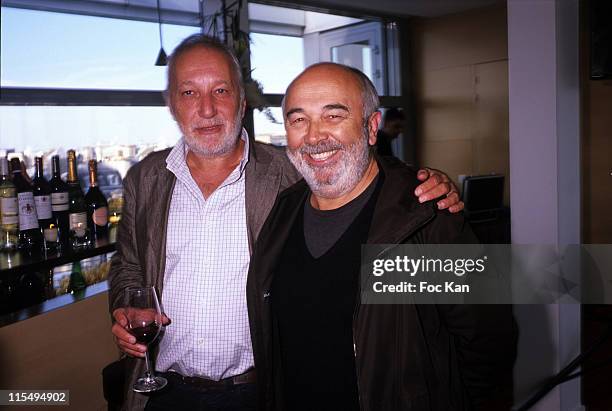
{"x":339,"y":178}
{"x":225,"y":146}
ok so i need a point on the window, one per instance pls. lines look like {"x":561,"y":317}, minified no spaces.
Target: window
{"x":72,"y":54}
{"x":57,"y":50}
{"x":92,"y":66}
{"x":284,"y":41}
{"x":276,"y":60}
{"x":269,"y":130}
{"x":35,"y":129}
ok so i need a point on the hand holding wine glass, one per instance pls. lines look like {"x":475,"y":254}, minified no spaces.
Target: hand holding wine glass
{"x":125,"y":340}
{"x":144,"y":320}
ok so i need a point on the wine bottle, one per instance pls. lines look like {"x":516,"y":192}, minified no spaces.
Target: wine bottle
{"x":77,"y":209}
{"x":9,"y":209}
{"x":42,"y":198}
{"x":30,"y":236}
{"x":97,"y":206}
{"x":59,"y":200}
{"x":77,"y":281}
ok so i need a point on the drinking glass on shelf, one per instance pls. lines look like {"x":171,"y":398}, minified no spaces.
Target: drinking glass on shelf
{"x":51,"y":236}
{"x":144,"y":322}
{"x":115,"y":204}
{"x":80,"y":236}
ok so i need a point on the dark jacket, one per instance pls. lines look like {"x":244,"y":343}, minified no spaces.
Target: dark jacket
{"x":408,"y":357}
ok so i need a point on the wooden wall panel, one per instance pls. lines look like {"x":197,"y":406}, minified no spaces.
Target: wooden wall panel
{"x":63,"y":349}
{"x":454,"y":157}
{"x":461,"y":90}
{"x":461,"y":39}
{"x":491,"y":130}
{"x":447,"y":104}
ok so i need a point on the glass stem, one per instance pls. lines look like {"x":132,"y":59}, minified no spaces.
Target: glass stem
{"x":150,"y":373}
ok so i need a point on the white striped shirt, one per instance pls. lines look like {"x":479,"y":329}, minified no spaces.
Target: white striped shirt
{"x":207,"y":260}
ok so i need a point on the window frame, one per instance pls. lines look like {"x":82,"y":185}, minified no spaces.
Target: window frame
{"x":69,"y":96}
{"x":109,"y":9}
{"x":24,"y":96}
{"x":391,"y":67}
{"x":31,"y":96}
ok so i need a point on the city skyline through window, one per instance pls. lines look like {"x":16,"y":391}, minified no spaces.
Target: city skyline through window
{"x":56,"y":50}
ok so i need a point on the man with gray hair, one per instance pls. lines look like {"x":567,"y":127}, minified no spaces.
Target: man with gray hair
{"x":191,"y":217}
{"x":316,"y":346}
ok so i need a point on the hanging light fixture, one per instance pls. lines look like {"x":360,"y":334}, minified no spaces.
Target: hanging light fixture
{"x":201,"y":15}
{"x":162,"y":57}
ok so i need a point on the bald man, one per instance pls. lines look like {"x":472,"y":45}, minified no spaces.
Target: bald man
{"x":316,"y":347}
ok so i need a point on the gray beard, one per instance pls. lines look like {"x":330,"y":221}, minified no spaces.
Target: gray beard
{"x":228,"y":143}
{"x":338,"y":179}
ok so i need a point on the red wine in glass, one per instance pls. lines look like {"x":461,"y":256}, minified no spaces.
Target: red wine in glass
{"x":144,"y":318}
{"x":146,"y":334}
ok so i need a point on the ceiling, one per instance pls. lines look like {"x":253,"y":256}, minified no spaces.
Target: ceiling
{"x":402,"y":8}
{"x":357,"y":8}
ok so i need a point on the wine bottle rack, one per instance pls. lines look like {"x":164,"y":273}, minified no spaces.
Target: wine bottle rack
{"x":14,"y":264}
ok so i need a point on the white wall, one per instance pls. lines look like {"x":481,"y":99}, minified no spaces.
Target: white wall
{"x":544,"y":169}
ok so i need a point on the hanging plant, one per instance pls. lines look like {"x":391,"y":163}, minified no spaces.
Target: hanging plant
{"x":255,"y":99}
{"x":240,"y":41}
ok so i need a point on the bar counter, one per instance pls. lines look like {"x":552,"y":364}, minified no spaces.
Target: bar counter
{"x":62,"y":343}
{"x":15,"y":263}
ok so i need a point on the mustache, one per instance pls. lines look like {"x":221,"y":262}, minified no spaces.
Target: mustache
{"x":320,"y":147}
{"x":210,"y":123}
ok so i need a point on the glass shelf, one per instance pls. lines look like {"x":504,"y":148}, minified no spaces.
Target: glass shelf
{"x":52,"y":304}
{"x":14,"y":262}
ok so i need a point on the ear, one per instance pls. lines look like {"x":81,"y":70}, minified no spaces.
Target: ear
{"x":373,"y":123}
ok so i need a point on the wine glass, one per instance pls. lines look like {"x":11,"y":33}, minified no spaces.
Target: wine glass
{"x":144,"y":322}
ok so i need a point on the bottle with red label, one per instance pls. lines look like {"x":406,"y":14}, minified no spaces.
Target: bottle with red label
{"x":97,"y":206}
{"x":30,"y":236}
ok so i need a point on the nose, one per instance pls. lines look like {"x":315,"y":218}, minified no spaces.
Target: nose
{"x":315,"y":133}
{"x":206,"y":106}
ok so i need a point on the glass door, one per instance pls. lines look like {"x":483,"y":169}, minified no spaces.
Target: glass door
{"x":358,"y":46}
